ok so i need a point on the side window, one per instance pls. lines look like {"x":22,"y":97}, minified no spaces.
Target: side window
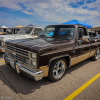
{"x":99,"y":32}
{"x":66,"y":33}
{"x":37,"y":31}
{"x":80,"y":33}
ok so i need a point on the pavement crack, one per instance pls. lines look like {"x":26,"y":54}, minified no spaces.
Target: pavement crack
{"x":11,"y":85}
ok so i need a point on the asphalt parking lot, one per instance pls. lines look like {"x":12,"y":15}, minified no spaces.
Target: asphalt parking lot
{"x":81,"y":82}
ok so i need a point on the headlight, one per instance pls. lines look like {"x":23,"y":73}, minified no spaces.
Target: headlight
{"x":33,"y":63}
{"x":2,"y":44}
{"x":33,"y":56}
{"x":33,"y":59}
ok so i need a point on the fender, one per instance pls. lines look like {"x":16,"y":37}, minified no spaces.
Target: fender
{"x":54,"y":58}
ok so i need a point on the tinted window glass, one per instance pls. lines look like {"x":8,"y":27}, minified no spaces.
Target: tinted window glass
{"x":25,"y":30}
{"x":37,"y":31}
{"x":59,"y":31}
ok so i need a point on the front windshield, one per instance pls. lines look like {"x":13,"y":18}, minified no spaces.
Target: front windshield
{"x":59,"y":31}
{"x":25,"y":31}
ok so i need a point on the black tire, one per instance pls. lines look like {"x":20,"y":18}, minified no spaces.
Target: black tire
{"x":96,"y":56}
{"x":7,"y":63}
{"x":55,"y":72}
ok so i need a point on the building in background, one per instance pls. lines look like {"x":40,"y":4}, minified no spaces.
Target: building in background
{"x":96,"y":29}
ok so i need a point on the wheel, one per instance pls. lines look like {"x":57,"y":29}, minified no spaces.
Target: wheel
{"x":57,"y":69}
{"x":6,"y":62}
{"x":96,"y":56}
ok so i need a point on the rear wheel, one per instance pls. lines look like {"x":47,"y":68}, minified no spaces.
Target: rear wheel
{"x":57,"y":69}
{"x":96,"y":56}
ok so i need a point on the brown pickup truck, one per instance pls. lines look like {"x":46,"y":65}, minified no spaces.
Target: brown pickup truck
{"x":57,"y":48}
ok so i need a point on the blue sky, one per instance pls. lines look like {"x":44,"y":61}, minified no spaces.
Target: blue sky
{"x":47,"y":12}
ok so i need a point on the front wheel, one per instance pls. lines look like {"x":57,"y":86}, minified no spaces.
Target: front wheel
{"x":57,"y":69}
{"x":96,"y":56}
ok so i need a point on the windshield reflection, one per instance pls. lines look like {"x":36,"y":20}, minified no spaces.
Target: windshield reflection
{"x":25,"y":31}
{"x":58,"y":31}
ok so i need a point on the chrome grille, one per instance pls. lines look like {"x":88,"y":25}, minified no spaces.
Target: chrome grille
{"x":17,"y":50}
{"x":18,"y":58}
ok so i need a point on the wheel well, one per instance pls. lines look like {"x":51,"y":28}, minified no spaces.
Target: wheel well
{"x":67,"y":58}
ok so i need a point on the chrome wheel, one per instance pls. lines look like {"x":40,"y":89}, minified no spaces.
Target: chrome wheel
{"x":97,"y":54}
{"x":59,"y":69}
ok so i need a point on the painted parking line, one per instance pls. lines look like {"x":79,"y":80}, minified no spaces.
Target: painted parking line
{"x":2,"y":61}
{"x":75,"y":93}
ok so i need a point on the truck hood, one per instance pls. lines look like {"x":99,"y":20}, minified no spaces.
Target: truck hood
{"x":12,"y":37}
{"x":36,"y":44}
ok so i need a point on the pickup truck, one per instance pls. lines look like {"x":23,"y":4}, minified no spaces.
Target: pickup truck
{"x":94,"y":34}
{"x":25,"y":32}
{"x":50,"y":56}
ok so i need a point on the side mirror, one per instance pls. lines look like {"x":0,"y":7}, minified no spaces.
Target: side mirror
{"x":86,"y":38}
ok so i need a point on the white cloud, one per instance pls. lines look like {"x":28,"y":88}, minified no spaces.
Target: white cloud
{"x":55,"y":10}
{"x":60,"y":11}
{"x":10,"y":4}
{"x":10,"y":22}
{"x":26,"y":12}
{"x":93,"y":5}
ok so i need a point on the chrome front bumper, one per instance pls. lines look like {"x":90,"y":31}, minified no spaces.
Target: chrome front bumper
{"x":2,"y":49}
{"x":36,"y":75}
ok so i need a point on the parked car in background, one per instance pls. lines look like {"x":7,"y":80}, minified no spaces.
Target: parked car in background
{"x":15,"y":29}
{"x":3,"y":30}
{"x":94,"y":34}
{"x":50,"y":56}
{"x":25,"y":32}
{"x":8,"y":31}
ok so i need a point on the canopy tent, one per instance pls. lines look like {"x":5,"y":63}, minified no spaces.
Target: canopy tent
{"x":31,"y":25}
{"x":19,"y":26}
{"x":4,"y":27}
{"x":79,"y":23}
{"x":15,"y":29}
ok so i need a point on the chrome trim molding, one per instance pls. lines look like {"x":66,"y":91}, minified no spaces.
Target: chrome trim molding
{"x":37,"y":75}
{"x":16,"y":51}
{"x":23,"y":49}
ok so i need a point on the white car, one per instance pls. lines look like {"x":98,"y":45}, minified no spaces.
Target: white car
{"x":25,"y":32}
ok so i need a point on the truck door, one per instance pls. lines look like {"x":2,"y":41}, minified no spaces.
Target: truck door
{"x":82,"y":47}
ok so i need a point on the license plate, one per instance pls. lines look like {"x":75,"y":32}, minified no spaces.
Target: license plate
{"x":17,"y":69}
